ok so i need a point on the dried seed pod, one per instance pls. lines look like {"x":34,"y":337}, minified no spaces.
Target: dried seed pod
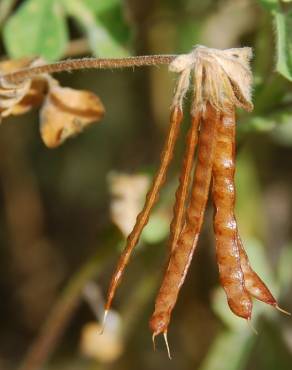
{"x":253,"y":283}
{"x":176,"y":117}
{"x":227,"y":250}
{"x":184,"y":182}
{"x":181,"y":254}
{"x":151,"y":198}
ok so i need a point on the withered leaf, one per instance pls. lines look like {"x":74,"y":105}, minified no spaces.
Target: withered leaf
{"x":18,"y":98}
{"x":66,"y":112}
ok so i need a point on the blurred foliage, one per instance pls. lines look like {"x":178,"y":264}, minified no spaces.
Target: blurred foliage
{"x":47,"y":36}
{"x":282,"y":13}
{"x":57,"y":230}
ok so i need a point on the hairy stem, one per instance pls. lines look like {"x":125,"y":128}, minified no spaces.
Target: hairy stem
{"x":89,"y":63}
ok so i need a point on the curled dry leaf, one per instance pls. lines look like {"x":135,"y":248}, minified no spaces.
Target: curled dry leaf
{"x":66,"y":112}
{"x":19,"y":98}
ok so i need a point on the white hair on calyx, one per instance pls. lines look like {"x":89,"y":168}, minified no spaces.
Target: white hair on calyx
{"x":220,"y":77}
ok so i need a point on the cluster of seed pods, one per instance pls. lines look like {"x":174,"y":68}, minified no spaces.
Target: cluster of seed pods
{"x":221,"y":81}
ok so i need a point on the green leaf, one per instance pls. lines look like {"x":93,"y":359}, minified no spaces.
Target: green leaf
{"x":99,"y":6}
{"x":101,"y":41}
{"x":38,"y":28}
{"x":284,"y":43}
{"x":113,"y":20}
{"x":270,"y":4}
{"x":283,"y":21}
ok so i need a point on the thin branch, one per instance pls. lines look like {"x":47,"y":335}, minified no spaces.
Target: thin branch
{"x":89,"y":63}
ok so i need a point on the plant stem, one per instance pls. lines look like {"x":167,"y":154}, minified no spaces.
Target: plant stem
{"x":86,"y":63}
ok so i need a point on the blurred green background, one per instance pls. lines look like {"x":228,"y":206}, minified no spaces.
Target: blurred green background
{"x":65,"y":212}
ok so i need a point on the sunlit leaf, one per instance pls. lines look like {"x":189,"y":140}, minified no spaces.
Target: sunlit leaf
{"x":38,"y":28}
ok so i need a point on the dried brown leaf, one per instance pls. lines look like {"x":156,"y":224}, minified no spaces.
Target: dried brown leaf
{"x":11,"y":65}
{"x":19,"y":98}
{"x":66,"y":112}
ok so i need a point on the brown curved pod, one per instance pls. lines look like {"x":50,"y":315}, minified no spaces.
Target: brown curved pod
{"x":225,"y":227}
{"x":182,"y":253}
{"x":151,"y":198}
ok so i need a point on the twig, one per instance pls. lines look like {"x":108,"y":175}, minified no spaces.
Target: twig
{"x":89,"y":63}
